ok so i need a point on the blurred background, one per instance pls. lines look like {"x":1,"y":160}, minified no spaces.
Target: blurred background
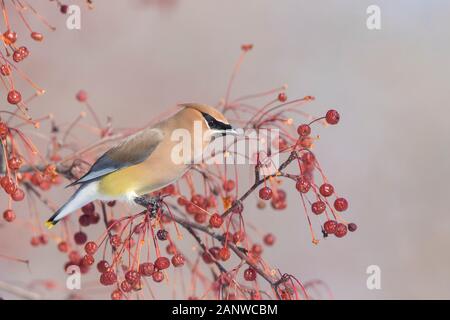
{"x":388,"y":156}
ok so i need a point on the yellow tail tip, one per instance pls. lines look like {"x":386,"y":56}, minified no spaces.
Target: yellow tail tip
{"x":49,"y":224}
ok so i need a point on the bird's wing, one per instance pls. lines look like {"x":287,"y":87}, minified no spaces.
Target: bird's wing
{"x":131,"y":151}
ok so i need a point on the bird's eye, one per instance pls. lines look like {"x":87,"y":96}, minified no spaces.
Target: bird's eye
{"x":215,"y":124}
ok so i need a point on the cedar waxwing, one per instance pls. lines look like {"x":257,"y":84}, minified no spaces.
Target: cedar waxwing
{"x":142,"y":163}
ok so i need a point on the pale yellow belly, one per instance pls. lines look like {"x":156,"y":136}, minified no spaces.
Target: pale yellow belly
{"x":140,"y":179}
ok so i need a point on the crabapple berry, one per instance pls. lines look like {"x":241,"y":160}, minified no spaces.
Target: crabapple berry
{"x":80,"y":237}
{"x":265,"y":193}
{"x":14,"y":97}
{"x":269,"y":239}
{"x":318,"y":207}
{"x":216,"y":220}
{"x":229,"y":185}
{"x":178,"y":260}
{"x":341,"y":230}
{"x":326,"y":189}
{"x":158,"y":276}
{"x":250,"y":274}
{"x":303,"y":185}
{"x":90,"y":247}
{"x":224,"y":253}
{"x":146,"y":269}
{"x":103,"y":266}
{"x":132,"y":277}
{"x":332,"y":117}
{"x":304,"y":130}
{"x":162,"y":263}
{"x":352,"y":227}
{"x":340,"y":204}
{"x":330,"y":226}
{"x":282,"y":97}
{"x":9,"y":215}
{"x":162,"y":234}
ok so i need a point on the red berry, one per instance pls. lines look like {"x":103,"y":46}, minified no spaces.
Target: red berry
{"x":162,"y":263}
{"x":332,"y":117}
{"x":63,"y":246}
{"x":228,"y":185}
{"x":340,"y":204}
{"x":103,"y":266}
{"x":146,"y":269}
{"x":303,"y":184}
{"x":326,"y":189}
{"x":282,"y":97}
{"x":265,"y":193}
{"x":9,"y":37}
{"x":108,"y":278}
{"x":81,"y":96}
{"x":3,"y":129}
{"x":216,"y":220}
{"x":200,"y":217}
{"x":14,"y":97}
{"x":247,"y":47}
{"x":250,"y":274}
{"x":90,"y":247}
{"x":116,"y":294}
{"x":18,"y":195}
{"x":14,"y":163}
{"x":5,"y":70}
{"x":178,"y":260}
{"x":132,"y":277}
{"x":80,"y":237}
{"x":158,"y":276}
{"x":125,"y":286}
{"x":63,"y":9}
{"x":43,"y":239}
{"x":318,"y":207}
{"x":256,"y":250}
{"x":224,"y":253}
{"x":87,"y":260}
{"x":9,"y":215}
{"x":207,"y":258}
{"x":330,"y":226}
{"x":35,"y":241}
{"x":115,"y":241}
{"x":304,"y":130}
{"x":84,"y":220}
{"x":269,"y":239}
{"x":352,"y":227}
{"x":237,"y":206}
{"x":171,"y":248}
{"x":37,"y":36}
{"x":238,"y":236}
{"x":341,"y":230}
{"x":88,"y":208}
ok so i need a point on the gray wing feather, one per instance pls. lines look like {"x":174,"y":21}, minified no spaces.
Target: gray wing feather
{"x":131,"y":151}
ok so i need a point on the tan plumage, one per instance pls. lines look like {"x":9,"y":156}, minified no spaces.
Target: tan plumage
{"x":142,"y":162}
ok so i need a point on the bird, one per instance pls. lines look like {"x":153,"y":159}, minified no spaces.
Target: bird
{"x":142,"y":162}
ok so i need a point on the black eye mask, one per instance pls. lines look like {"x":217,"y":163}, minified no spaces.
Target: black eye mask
{"x":214,"y":124}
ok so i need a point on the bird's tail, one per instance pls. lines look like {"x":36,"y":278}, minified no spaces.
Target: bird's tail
{"x":85,"y":194}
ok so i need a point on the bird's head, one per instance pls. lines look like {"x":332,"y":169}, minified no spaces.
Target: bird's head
{"x":214,"y":119}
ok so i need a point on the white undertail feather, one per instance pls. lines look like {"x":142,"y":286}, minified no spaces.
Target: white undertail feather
{"x":85,"y":194}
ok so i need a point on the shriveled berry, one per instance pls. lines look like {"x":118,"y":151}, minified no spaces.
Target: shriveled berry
{"x":84,"y":220}
{"x":88,"y":208}
{"x":352,"y":227}
{"x":326,"y":189}
{"x":162,"y":234}
{"x":125,"y":286}
{"x":108,"y":278}
{"x":237,"y":206}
